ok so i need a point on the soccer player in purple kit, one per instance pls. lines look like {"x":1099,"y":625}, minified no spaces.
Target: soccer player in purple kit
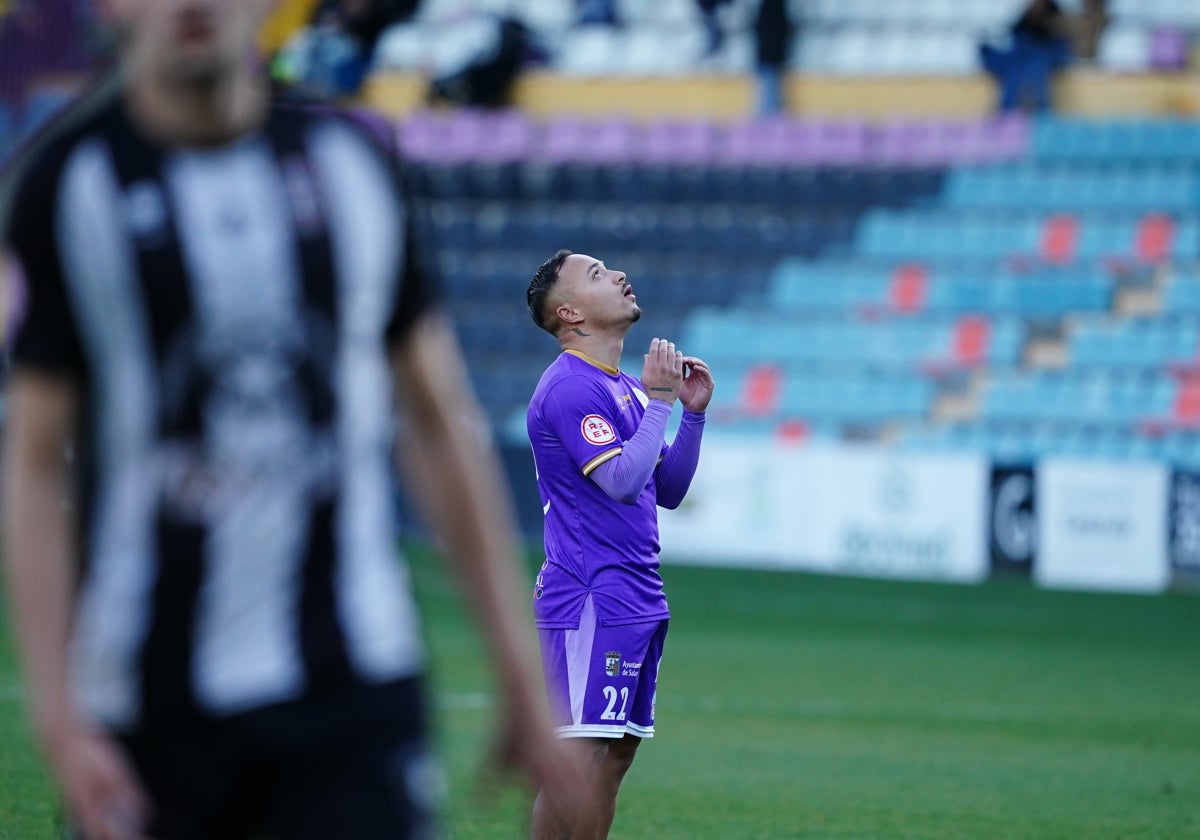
{"x":604,"y":467}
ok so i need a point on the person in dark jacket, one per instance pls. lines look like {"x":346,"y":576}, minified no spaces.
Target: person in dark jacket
{"x":1039,"y":47}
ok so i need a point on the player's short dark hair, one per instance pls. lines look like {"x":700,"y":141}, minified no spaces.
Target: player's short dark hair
{"x":544,"y":280}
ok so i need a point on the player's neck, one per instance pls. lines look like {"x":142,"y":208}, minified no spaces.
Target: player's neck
{"x":605,"y":349}
{"x":202,"y":114}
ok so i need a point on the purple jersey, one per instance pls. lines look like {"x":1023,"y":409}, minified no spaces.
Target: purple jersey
{"x":580,"y":415}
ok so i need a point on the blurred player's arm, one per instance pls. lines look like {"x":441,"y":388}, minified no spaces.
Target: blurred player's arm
{"x":39,"y":550}
{"x":43,"y":400}
{"x":38,"y":535}
{"x":452,"y":471}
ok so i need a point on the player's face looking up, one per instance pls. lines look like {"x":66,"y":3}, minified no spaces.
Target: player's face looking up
{"x":600,"y":294}
{"x":192,"y":42}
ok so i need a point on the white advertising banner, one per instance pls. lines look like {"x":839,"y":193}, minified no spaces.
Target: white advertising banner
{"x":840,"y":510}
{"x":1102,"y":525}
{"x":887,"y":514}
{"x":740,"y":510}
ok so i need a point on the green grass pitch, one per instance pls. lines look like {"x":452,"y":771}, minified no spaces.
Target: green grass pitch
{"x":795,"y":706}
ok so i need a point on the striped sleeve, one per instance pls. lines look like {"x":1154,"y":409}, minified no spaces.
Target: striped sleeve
{"x":603,"y":457}
{"x":45,"y":331}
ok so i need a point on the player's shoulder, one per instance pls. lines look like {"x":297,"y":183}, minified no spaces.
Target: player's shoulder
{"x":34,"y":169}
{"x":569,"y":378}
{"x":371,"y":130}
{"x":563,"y":368}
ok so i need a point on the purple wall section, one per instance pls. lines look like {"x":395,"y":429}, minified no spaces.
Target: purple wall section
{"x":498,"y":136}
{"x":41,"y":38}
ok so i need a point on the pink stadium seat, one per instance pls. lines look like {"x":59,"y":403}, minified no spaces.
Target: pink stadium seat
{"x":505,"y":136}
{"x":908,"y":289}
{"x":1185,"y":410}
{"x":760,"y":390}
{"x":760,"y":141}
{"x":561,"y":139}
{"x":1010,"y":134}
{"x":568,"y":139}
{"x":422,"y":134}
{"x":610,"y":140}
{"x":972,"y":335}
{"x":844,"y":142}
{"x":1154,"y":237}
{"x":1060,"y":238}
{"x":1169,"y":48}
{"x":679,"y":141}
{"x":792,"y":431}
{"x":472,"y":135}
{"x":906,"y":143}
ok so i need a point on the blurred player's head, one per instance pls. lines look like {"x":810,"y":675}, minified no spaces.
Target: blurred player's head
{"x":573,"y":289}
{"x":187,"y":41}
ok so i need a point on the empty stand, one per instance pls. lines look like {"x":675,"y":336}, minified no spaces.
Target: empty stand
{"x":934,"y":284}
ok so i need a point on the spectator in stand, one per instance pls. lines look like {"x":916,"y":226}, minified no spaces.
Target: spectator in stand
{"x":773,"y":41}
{"x":772,"y":44}
{"x":1039,"y":46}
{"x":602,"y":12}
{"x":332,"y":56}
{"x":712,"y":25}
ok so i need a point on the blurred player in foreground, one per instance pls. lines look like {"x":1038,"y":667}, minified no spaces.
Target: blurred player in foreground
{"x":225,"y":310}
{"x":603,"y":469}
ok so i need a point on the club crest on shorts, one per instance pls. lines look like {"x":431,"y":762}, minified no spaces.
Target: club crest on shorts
{"x":612,"y":662}
{"x":596,"y":430}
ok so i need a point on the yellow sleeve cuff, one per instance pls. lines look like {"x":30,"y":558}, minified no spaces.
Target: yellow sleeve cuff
{"x":600,"y":459}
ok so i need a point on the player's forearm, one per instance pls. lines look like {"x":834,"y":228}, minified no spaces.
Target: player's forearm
{"x":678,"y":466}
{"x":37,"y":552}
{"x":624,"y":477}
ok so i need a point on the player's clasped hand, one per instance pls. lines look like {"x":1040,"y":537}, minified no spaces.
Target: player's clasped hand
{"x":662,"y":373}
{"x":698,"y":384}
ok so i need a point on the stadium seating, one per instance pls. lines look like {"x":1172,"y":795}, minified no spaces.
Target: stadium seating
{"x":934,"y":284}
{"x":854,"y":38}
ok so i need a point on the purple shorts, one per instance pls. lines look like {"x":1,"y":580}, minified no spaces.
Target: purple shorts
{"x":601,"y":681}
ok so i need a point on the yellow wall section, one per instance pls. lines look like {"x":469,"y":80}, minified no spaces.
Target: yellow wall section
{"x":285,"y":19}
{"x":1084,"y":92}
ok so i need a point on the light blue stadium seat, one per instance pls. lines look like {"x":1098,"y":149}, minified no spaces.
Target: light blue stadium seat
{"x":1059,"y":138}
{"x":1186,"y":247}
{"x":960,"y":293}
{"x":1102,"y":236}
{"x":1183,"y":297}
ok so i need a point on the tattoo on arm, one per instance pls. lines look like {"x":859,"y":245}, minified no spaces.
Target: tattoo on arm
{"x":578,"y":331}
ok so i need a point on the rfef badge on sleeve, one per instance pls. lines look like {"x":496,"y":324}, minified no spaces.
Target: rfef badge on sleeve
{"x":596,"y":430}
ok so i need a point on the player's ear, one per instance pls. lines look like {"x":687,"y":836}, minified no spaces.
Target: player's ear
{"x":568,"y":314}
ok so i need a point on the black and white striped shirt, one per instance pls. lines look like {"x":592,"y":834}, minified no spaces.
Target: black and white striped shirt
{"x":227,"y":313}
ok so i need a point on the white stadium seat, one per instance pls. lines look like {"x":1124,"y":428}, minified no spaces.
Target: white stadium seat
{"x":1124,"y":47}
{"x":588,"y":51}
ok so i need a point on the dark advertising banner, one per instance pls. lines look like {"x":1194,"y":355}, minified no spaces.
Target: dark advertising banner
{"x":1012,"y":520}
{"x":1185,"y":528}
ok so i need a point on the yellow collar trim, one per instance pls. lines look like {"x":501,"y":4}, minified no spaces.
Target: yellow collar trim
{"x":591,"y":361}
